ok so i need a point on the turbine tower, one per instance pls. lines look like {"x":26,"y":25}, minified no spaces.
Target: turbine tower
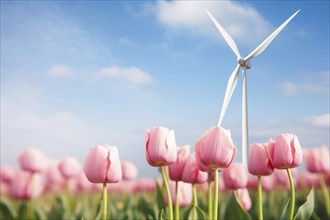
{"x":245,"y":64}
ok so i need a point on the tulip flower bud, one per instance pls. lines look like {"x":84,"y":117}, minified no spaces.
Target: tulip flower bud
{"x":103,"y":165}
{"x":27,"y":185}
{"x":286,"y":152}
{"x":32,"y":160}
{"x":69,"y":167}
{"x":184,"y":193}
{"x":235,"y":176}
{"x":176,"y":169}
{"x":191,"y":172}
{"x":160,"y":146}
{"x":259,"y":161}
{"x":215,"y":149}
{"x":129,"y":170}
{"x":318,"y":159}
{"x":244,"y":198}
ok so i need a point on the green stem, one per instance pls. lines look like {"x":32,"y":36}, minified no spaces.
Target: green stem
{"x":260,"y":198}
{"x":105,"y":201}
{"x":169,"y":199}
{"x":325,"y":194}
{"x":30,"y":205}
{"x":215,"y":207}
{"x":292,"y":195}
{"x":176,"y":209}
{"x":69,"y":197}
{"x":209,"y":197}
{"x":30,"y":213}
{"x":195,"y":203}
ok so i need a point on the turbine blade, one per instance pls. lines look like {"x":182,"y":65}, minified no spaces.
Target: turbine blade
{"x":225,"y":35}
{"x":269,"y":39}
{"x":232,"y":82}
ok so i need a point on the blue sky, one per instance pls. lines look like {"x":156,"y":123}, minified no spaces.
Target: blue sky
{"x":77,"y":74}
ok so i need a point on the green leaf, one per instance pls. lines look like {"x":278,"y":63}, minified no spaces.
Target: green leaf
{"x":222,"y":206}
{"x":57,"y":211}
{"x":146,"y":208}
{"x":189,"y":212}
{"x":160,"y":196}
{"x":284,"y":212}
{"x":22,"y":210}
{"x":6,"y":210}
{"x":305,"y":211}
{"x":99,"y":210}
{"x":40,"y":214}
{"x":236,"y":211}
{"x":162,"y":215}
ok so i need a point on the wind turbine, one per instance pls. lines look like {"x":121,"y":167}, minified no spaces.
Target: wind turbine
{"x":243,"y":63}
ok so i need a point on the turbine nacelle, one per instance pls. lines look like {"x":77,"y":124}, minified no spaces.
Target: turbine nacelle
{"x":243,"y":63}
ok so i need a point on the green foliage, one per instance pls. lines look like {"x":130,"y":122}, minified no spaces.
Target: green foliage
{"x":189,"y":213}
{"x":151,"y":206}
{"x":160,"y":197}
{"x":162,"y":215}
{"x":7,"y":210}
{"x":235,"y":210}
{"x":305,"y":211}
{"x":284,"y":210}
{"x":146,"y":209}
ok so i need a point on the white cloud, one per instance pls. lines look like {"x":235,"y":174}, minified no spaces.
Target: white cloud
{"x":318,"y":120}
{"x":124,"y":77}
{"x":311,"y":130}
{"x":61,"y":71}
{"x":27,"y":120}
{"x":242,"y":21}
{"x":128,"y":75}
{"x":315,"y":84}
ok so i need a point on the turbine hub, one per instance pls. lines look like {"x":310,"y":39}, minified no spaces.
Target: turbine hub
{"x":243,"y":63}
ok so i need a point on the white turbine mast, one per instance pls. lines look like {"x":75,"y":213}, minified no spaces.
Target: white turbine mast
{"x":243,"y":63}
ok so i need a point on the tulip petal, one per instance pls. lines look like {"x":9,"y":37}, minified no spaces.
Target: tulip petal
{"x":96,"y":164}
{"x":114,"y":173}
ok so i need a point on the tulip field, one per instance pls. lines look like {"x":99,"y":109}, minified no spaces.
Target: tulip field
{"x":106,"y":188}
{"x":275,"y":180}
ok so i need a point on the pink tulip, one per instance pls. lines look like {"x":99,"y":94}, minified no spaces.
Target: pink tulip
{"x":286,"y":152}
{"x":7,"y":174}
{"x":69,"y":167}
{"x":235,"y":176}
{"x":308,"y":180}
{"x":83,"y":185}
{"x":259,"y":161}
{"x":215,"y":149}
{"x":184,"y":193}
{"x":176,"y":169}
{"x":103,"y":165}
{"x":191,"y":172}
{"x":32,"y":160}
{"x":160,"y":146}
{"x":244,"y":198}
{"x":267,"y":182}
{"x":318,"y":160}
{"x":54,"y":177}
{"x":281,"y":177}
{"x":4,"y":188}
{"x":27,"y":185}
{"x":145,"y":185}
{"x":129,"y":170}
